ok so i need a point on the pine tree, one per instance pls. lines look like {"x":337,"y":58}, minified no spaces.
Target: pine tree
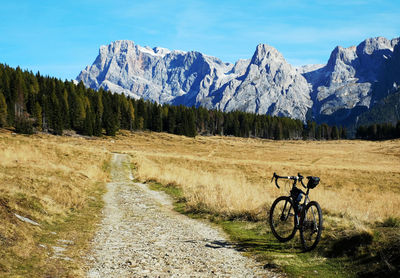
{"x":37,"y":114}
{"x":164,"y":117}
{"x":19,"y":93}
{"x":3,"y":110}
{"x":335,"y":133}
{"x":131,"y":115}
{"x":171,"y":120}
{"x":311,"y":130}
{"x":343,"y":133}
{"x":398,"y":129}
{"x":110,"y":115}
{"x":190,"y":123}
{"x":77,"y":112}
{"x":88,"y":126}
{"x":99,"y":109}
{"x":64,"y":106}
{"x":156,"y":124}
{"x":278,"y":134}
{"x":140,"y":114}
{"x":56,"y":122}
{"x":244,"y":125}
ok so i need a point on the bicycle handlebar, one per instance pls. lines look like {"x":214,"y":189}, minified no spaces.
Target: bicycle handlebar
{"x":295,"y":178}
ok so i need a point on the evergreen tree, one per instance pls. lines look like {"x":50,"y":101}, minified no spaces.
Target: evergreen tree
{"x":171,"y":120}
{"x":335,"y":133}
{"x":278,"y":134}
{"x":219,"y":123}
{"x":131,"y":115}
{"x":311,"y":130}
{"x":398,"y":129}
{"x":110,"y":115}
{"x":98,"y":110}
{"x":156,"y":120}
{"x":3,"y":110}
{"x":56,"y":122}
{"x":77,"y":112}
{"x":244,"y":125}
{"x":37,"y":115}
{"x":64,"y":106}
{"x":88,"y":127}
{"x":318,"y":134}
{"x":180,"y":120}
{"x":236,"y":124}
{"x":343,"y":133}
{"x":18,"y":87}
{"x":190,"y":123}
{"x":140,"y":114}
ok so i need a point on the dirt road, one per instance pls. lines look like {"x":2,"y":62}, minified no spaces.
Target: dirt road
{"x":141,"y":236}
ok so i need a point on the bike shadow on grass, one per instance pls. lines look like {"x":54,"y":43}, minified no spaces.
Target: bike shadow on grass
{"x":257,"y":245}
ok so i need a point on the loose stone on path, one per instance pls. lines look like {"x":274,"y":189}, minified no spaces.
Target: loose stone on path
{"x":141,"y":236}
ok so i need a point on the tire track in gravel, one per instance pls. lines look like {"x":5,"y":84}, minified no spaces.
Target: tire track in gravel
{"x":141,"y":236}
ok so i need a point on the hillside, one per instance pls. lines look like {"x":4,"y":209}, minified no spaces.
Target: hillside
{"x":387,"y":110}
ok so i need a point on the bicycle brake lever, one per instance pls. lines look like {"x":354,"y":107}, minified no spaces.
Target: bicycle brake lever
{"x":273,"y":177}
{"x":276,"y":183}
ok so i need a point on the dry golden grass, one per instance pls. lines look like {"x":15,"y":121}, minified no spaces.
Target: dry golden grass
{"x":43,"y":178}
{"x":359,"y":179}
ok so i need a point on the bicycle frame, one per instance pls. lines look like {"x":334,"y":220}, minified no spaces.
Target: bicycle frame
{"x":297,"y":213}
{"x":307,"y":214}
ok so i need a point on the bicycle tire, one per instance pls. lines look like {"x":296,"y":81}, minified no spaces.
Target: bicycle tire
{"x":282,"y":220}
{"x":311,"y":226}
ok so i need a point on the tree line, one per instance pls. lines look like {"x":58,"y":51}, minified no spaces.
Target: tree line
{"x":382,"y":131}
{"x":31,"y":102}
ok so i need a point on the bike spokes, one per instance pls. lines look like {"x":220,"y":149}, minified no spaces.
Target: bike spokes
{"x":311,"y":226}
{"x":282,"y":219}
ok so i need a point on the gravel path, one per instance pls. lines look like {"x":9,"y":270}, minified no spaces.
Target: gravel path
{"x":141,"y":236}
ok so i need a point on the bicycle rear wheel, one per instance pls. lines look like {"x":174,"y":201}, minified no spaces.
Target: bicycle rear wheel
{"x":282,"y":220}
{"x":311,"y":226}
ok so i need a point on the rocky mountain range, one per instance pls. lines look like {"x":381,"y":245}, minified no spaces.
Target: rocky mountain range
{"x":351,"y":82}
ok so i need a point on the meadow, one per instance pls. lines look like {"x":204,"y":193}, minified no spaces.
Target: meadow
{"x":228,"y":181}
{"x":58,"y":182}
{"x":231,"y":176}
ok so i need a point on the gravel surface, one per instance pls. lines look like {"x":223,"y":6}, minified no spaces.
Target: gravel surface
{"x":141,"y":236}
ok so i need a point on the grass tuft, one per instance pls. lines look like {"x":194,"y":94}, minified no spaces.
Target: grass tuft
{"x":391,"y":221}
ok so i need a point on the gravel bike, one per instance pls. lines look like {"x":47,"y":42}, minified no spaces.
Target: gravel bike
{"x":288,"y":214}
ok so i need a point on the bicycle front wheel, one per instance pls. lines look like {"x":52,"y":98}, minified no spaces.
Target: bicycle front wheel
{"x":282,"y":220}
{"x":311,"y":226}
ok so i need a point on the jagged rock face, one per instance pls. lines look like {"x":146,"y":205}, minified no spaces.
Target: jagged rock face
{"x":157,"y":74}
{"x":349,"y":77}
{"x":264,"y":84}
{"x":269,"y":86}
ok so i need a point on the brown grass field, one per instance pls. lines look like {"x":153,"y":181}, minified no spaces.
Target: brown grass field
{"x":360,"y":180}
{"x":47,"y":178}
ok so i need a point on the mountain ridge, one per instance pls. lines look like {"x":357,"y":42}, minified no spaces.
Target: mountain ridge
{"x":265,"y":84}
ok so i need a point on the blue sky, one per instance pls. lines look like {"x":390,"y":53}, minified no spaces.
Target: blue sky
{"x":59,"y":38}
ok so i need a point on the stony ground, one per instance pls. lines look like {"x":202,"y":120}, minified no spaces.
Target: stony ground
{"x":141,"y":236}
